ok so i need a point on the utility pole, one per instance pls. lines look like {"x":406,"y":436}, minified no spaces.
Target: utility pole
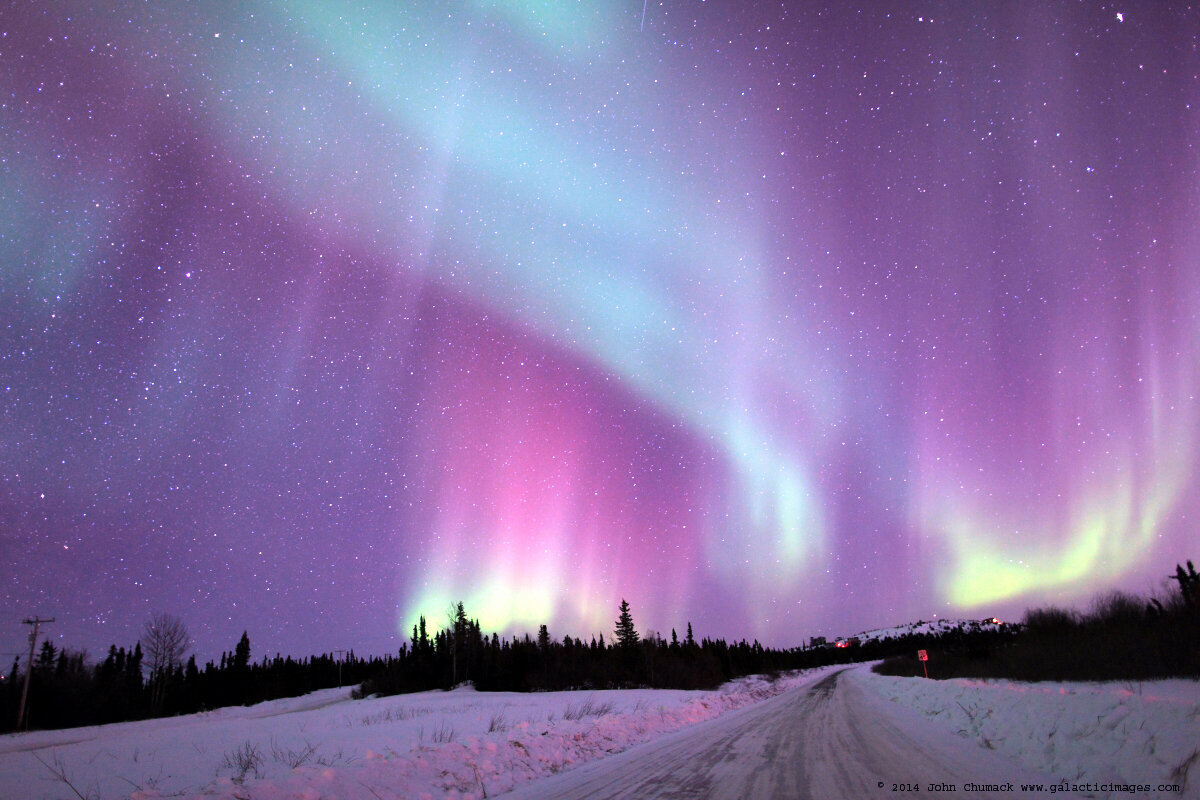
{"x":339,"y":652}
{"x":35,"y":622}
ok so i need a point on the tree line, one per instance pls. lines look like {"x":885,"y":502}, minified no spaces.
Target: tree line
{"x":1121,"y":637}
{"x":152,"y":679}
{"x":142,"y":681}
{"x":460,"y":652}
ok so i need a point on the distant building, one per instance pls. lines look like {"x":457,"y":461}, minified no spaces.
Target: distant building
{"x":817,"y":642}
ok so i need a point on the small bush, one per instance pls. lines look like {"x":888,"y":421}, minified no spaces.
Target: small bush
{"x":1052,"y":620}
{"x":1117,"y":609}
{"x":443,"y":734}
{"x":393,"y":714}
{"x":293,"y":758}
{"x":588,"y":708}
{"x":243,"y":761}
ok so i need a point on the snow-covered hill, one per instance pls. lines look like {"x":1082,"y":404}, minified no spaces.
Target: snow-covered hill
{"x":937,"y":627}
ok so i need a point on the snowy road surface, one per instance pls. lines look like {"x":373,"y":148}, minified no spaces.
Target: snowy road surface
{"x":828,"y":739}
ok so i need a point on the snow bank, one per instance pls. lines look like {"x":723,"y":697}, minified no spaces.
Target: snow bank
{"x":1130,"y":733}
{"x":457,"y":744}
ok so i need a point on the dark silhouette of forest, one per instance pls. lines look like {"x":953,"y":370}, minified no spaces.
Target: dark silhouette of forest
{"x":67,"y":691}
{"x":460,"y":652}
{"x":1123,"y":637}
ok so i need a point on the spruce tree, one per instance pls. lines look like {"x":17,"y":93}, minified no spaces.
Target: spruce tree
{"x":1189,"y":582}
{"x":626,"y":633}
{"x":241,"y":653}
{"x":456,"y":634}
{"x":46,"y":657}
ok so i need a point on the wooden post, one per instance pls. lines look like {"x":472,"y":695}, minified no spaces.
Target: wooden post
{"x":35,"y":622}
{"x":339,"y":653}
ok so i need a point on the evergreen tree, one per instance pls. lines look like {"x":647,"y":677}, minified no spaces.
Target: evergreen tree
{"x":456,"y":638}
{"x":1189,"y":582}
{"x":131,"y":672}
{"x":626,"y":633}
{"x":237,"y":678}
{"x":241,"y":653}
{"x":46,"y":657}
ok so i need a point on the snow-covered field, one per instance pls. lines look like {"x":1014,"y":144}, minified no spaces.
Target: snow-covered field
{"x":467,"y":744}
{"x":1145,"y":733}
{"x":459,"y":744}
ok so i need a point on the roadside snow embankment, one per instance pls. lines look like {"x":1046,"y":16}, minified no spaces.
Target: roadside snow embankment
{"x":461,"y":744}
{"x":578,"y":727}
{"x":1127,"y":733}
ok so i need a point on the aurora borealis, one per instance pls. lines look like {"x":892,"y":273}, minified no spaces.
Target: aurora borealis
{"x":780,"y":318}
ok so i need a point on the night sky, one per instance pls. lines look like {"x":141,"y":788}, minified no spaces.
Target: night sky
{"x":785,"y":318}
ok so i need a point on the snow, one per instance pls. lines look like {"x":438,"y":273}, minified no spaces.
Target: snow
{"x":463,"y":744}
{"x":937,"y":627}
{"x":1145,"y":733}
{"x":828,"y":739}
{"x":457,"y":744}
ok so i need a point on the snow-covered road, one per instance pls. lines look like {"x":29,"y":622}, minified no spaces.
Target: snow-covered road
{"x":828,"y":739}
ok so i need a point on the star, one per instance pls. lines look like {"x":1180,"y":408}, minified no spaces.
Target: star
{"x":521,"y":310}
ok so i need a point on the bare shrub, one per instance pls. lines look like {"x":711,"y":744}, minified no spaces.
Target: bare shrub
{"x":1050,"y":619}
{"x":497,"y":724}
{"x":330,"y":761}
{"x":393,"y":714}
{"x":242,"y":762}
{"x":588,"y":708}
{"x":443,"y":734}
{"x":1117,"y":608}
{"x":59,"y":770}
{"x":293,"y":758}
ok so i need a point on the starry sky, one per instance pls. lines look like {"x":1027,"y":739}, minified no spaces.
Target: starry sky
{"x":785,"y":319}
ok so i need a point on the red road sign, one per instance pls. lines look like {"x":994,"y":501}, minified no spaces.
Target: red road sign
{"x":921,"y":654}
